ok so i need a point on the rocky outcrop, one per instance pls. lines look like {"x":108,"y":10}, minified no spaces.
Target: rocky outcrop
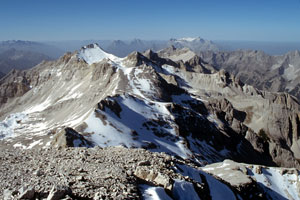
{"x":111,"y":104}
{"x":14,"y":85}
{"x":257,"y":180}
{"x":69,"y":138}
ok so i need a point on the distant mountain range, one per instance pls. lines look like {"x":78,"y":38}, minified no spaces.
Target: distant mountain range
{"x":17,"y":54}
{"x":195,"y":44}
{"x":36,"y":47}
{"x":263,"y":71}
{"x":19,"y":59}
{"x":268,"y":72}
{"x":124,"y":47}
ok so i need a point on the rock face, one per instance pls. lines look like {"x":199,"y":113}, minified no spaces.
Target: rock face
{"x":69,"y":138}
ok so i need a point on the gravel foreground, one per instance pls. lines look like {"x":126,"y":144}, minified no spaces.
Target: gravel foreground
{"x":83,"y":173}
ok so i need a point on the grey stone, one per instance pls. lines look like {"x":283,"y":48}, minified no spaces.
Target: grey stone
{"x":58,"y":192}
{"x":26,"y":193}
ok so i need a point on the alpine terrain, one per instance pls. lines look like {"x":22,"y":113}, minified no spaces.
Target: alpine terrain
{"x":152,"y":125}
{"x":279,"y":73}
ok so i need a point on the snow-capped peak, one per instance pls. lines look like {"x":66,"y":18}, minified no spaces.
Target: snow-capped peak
{"x":93,"y":53}
{"x":188,"y":39}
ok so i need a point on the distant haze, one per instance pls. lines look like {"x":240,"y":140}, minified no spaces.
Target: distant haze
{"x":272,"y":48}
{"x":160,"y":20}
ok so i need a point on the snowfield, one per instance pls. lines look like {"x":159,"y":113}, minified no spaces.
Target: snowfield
{"x":95,"y":54}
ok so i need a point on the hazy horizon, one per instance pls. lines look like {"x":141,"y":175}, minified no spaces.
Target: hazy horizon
{"x":156,"y":20}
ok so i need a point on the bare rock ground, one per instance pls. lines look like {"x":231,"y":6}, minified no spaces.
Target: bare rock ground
{"x":82,"y":173}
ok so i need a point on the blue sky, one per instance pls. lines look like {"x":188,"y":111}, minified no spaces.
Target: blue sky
{"x":253,"y":20}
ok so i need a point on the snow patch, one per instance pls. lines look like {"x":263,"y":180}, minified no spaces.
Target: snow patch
{"x":153,"y":193}
{"x":93,"y":54}
{"x":183,"y":190}
{"x":34,"y":144}
{"x":218,"y":190}
{"x":19,"y":145}
{"x":10,"y":123}
{"x":277,"y":186}
{"x":39,"y":107}
{"x":291,"y":72}
{"x":188,"y":39}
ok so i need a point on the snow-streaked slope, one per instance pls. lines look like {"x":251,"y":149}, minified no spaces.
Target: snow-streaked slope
{"x":278,"y":185}
{"x":218,"y":190}
{"x":136,"y":126}
{"x":182,"y":190}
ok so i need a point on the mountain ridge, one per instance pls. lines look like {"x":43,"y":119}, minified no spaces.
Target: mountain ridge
{"x":185,"y":108}
{"x":271,"y":73}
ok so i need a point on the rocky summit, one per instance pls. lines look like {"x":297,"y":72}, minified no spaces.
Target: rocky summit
{"x":122,"y":173}
{"x":152,"y":125}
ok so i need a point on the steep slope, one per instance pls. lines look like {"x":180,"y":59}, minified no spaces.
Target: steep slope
{"x":273,"y":117}
{"x":271,"y":73}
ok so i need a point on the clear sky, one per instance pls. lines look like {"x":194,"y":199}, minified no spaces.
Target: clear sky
{"x":253,"y":20}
